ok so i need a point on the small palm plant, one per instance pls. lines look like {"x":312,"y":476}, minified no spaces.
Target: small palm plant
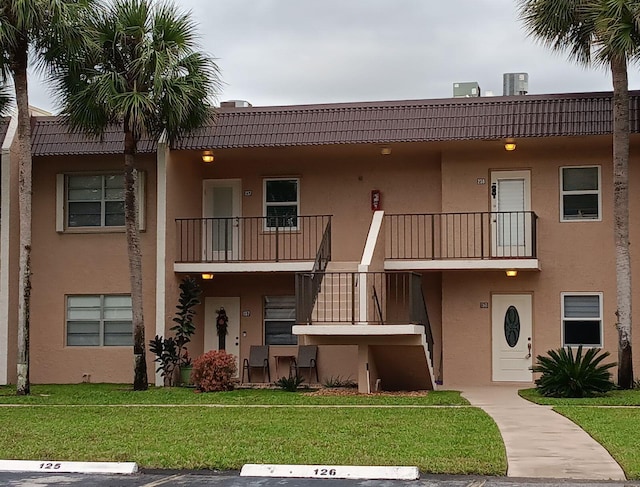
{"x":567,"y":375}
{"x":289,"y":384}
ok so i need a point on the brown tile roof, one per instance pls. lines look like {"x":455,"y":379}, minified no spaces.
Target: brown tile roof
{"x":52,"y":137}
{"x":376,"y":122}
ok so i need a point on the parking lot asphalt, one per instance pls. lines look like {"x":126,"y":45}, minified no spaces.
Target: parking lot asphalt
{"x":233,"y":479}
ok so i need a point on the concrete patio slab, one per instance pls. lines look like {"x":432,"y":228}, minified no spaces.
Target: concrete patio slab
{"x":539,"y":442}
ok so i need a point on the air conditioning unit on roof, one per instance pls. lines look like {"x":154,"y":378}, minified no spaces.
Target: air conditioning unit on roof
{"x":466,"y":89}
{"x":235,"y":104}
{"x":515,"y":84}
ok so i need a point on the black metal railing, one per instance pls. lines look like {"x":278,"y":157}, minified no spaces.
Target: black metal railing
{"x":313,"y":281}
{"x":252,"y":239}
{"x":419,"y":312}
{"x":475,"y":235}
{"x":389,"y":297}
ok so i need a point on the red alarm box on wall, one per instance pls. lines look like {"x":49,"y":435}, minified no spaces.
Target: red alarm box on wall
{"x":376,"y":200}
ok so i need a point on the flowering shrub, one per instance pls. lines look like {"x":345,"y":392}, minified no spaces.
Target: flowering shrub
{"x":213,"y":371}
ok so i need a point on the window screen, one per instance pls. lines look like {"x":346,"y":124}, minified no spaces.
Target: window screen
{"x":281,"y":203}
{"x":279,"y":317}
{"x":95,"y":200}
{"x":99,"y":320}
{"x":582,"y":320}
{"x":580,"y":193}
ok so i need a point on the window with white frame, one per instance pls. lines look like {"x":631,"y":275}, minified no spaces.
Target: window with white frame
{"x":95,"y":201}
{"x":281,"y":202}
{"x":279,"y":317}
{"x":99,"y":320}
{"x":580,"y":197}
{"x":582,"y":319}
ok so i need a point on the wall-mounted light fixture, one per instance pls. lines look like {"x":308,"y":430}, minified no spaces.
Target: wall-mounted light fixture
{"x":207,"y":276}
{"x":509,"y":145}
{"x":512,"y":273}
{"x":385,"y":151}
{"x":207,"y":156}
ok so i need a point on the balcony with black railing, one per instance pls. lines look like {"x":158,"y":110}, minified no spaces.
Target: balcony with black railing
{"x":480,"y":240}
{"x":260,"y":243}
{"x":383,"y":313}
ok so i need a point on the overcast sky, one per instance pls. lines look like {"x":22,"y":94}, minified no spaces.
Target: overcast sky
{"x":283,"y":52}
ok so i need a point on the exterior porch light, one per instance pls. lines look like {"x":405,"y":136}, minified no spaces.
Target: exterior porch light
{"x":510,"y":145}
{"x":511,"y":273}
{"x":385,"y":151}
{"x":207,"y":276}
{"x":207,"y":156}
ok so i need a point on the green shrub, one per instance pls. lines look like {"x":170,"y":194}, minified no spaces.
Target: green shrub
{"x":567,"y":375}
{"x":337,"y":381}
{"x":214,"y":371}
{"x":171,"y":353}
{"x":289,"y":384}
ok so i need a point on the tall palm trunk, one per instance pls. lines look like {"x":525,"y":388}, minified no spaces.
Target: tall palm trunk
{"x":621,"y":218}
{"x":140,"y":381}
{"x":19,"y":68}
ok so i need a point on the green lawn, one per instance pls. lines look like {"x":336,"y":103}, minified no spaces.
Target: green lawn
{"x":616,"y":428}
{"x":99,"y":394}
{"x":613,"y":398}
{"x":456,"y":440}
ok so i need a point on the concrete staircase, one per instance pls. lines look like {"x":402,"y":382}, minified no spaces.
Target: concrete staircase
{"x":335,"y":303}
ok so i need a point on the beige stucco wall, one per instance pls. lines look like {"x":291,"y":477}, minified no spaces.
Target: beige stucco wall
{"x":415,"y":178}
{"x":83,"y":263}
{"x":333,"y":181}
{"x":574,"y":256}
{"x":577,"y":256}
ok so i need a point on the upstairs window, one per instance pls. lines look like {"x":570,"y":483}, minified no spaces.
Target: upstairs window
{"x":95,"y":200}
{"x":582,"y":319}
{"x":580,"y":197}
{"x":99,"y":320}
{"x":281,"y":203}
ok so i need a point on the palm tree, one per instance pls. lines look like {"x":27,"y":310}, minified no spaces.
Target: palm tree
{"x":30,"y":26}
{"x":605,"y":33}
{"x":142,"y":71}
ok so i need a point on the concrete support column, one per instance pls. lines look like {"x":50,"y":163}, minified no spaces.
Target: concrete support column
{"x":367,"y":370}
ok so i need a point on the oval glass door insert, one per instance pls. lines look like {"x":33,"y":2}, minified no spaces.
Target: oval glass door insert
{"x":511,"y":326}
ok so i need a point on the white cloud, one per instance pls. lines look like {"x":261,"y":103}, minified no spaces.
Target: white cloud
{"x":300,"y":51}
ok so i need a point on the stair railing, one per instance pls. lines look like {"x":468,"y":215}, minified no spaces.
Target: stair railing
{"x":419,"y":313}
{"x":308,"y":284}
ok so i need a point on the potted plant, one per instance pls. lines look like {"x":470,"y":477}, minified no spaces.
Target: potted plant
{"x":185,"y":368}
{"x":171,"y":353}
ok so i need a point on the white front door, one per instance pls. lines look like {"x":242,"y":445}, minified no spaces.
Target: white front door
{"x":511,"y":218}
{"x":221,"y":238}
{"x":232,"y":340}
{"x":511,"y":317}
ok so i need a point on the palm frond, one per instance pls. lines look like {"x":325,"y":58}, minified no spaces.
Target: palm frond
{"x":6,"y":99}
{"x":141,"y":64}
{"x":591,"y":31}
{"x":560,"y":25}
{"x":565,"y":374}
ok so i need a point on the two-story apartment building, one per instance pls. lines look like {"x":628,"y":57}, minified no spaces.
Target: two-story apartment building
{"x":383,"y":232}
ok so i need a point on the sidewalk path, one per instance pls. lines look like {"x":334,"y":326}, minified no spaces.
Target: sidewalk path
{"x":540,"y":442}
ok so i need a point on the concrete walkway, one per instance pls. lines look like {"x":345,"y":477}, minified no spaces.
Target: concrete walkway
{"x":540,"y":442}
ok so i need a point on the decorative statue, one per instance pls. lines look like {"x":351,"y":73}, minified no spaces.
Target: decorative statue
{"x":222,"y":323}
